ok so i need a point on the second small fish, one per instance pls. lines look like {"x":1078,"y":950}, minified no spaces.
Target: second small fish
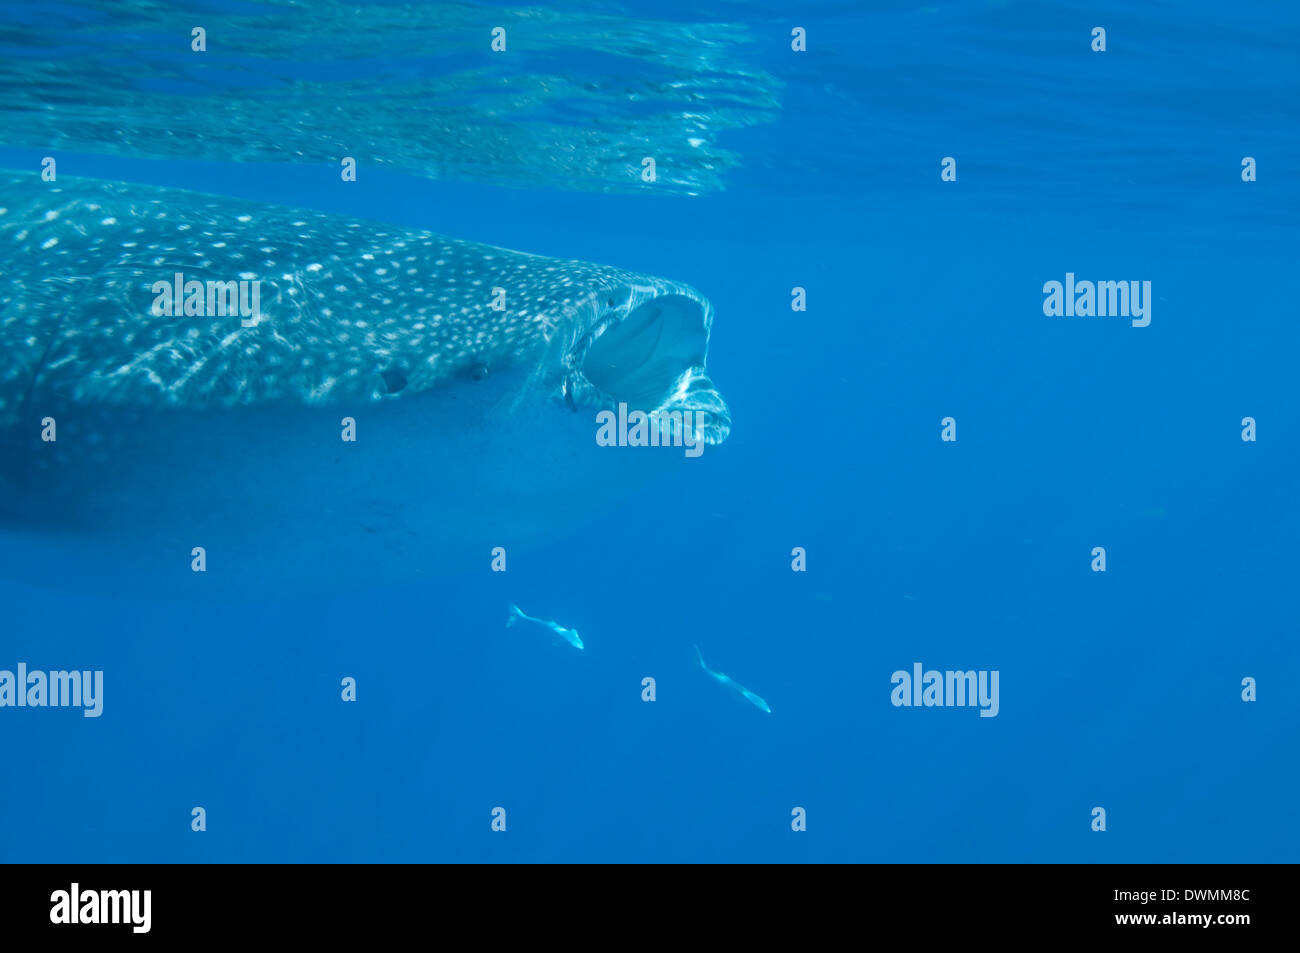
{"x":734,"y":685}
{"x":569,"y":635}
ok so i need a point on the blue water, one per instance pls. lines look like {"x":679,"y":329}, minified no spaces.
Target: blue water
{"x":1120,"y":690}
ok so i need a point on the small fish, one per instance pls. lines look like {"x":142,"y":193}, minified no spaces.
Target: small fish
{"x":734,"y":685}
{"x":569,"y":635}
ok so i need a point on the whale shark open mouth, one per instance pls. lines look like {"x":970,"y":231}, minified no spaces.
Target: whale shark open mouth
{"x":650,"y":355}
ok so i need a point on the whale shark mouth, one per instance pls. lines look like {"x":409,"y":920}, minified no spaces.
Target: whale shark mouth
{"x":650,"y":355}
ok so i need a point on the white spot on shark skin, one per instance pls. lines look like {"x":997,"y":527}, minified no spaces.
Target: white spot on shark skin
{"x":50,"y":243}
{"x":244,"y":218}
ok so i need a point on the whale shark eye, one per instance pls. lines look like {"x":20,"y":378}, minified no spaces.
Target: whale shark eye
{"x":611,"y":301}
{"x":478,"y":371}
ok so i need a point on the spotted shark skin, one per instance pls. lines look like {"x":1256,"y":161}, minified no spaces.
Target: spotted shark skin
{"x":178,"y":430}
{"x":348,"y":309}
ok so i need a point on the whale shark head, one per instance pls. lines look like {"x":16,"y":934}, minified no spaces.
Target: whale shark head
{"x":391,"y":400}
{"x":646,"y":345}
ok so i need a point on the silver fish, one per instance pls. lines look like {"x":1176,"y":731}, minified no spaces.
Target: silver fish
{"x":732,"y":684}
{"x":515,"y":614}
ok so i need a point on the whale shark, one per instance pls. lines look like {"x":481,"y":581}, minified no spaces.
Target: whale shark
{"x":386,"y":399}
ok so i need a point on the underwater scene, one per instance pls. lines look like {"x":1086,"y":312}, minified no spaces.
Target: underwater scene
{"x":624,"y":432}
